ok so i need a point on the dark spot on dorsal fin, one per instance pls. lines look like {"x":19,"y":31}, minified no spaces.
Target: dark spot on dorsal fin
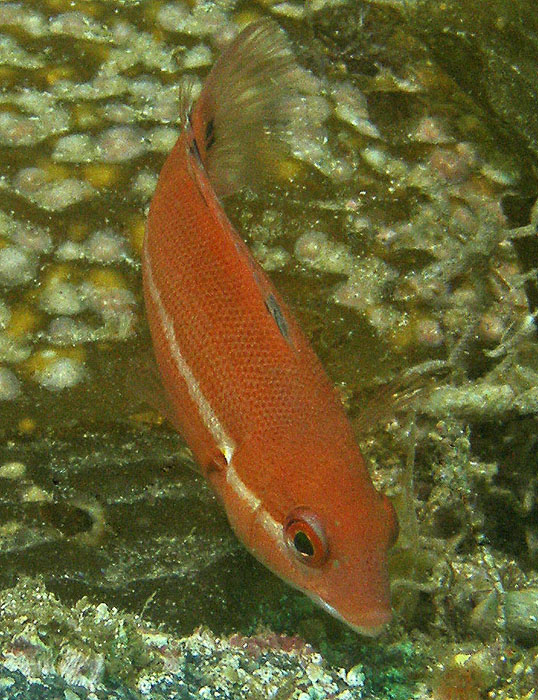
{"x":276,"y":312}
{"x":193,"y":146}
{"x":210,"y":134}
{"x":195,"y":152}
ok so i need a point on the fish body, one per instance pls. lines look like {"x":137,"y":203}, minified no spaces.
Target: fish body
{"x":247,"y":392}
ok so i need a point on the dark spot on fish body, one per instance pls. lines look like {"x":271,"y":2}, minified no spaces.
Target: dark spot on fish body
{"x":210,"y":134}
{"x":276,"y":312}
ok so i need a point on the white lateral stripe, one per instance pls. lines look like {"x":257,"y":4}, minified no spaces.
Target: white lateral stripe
{"x":210,"y":420}
{"x":262,"y":516}
{"x":208,"y":416}
{"x":273,"y":528}
{"x":232,"y":478}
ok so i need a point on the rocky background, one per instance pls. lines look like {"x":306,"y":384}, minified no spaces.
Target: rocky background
{"x":401,"y":228}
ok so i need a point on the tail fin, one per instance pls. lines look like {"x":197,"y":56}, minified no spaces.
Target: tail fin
{"x":246,"y":107}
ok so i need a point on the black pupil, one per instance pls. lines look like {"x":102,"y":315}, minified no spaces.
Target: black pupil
{"x":302,"y":544}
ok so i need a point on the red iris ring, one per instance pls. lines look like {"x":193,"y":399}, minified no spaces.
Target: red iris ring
{"x":306,"y":538}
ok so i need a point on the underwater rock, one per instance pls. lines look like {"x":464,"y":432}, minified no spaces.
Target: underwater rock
{"x":491,"y":51}
{"x":519,"y":613}
{"x":49,"y":650}
{"x":116,"y":514}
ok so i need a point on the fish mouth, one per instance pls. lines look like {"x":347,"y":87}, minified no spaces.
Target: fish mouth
{"x":380,"y":619}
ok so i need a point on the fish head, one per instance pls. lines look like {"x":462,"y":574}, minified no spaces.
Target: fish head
{"x":340,"y":561}
{"x":326,"y":531}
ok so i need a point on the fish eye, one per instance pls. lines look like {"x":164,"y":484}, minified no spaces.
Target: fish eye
{"x":306,"y":537}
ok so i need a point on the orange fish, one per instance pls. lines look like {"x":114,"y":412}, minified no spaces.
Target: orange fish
{"x":247,"y":392}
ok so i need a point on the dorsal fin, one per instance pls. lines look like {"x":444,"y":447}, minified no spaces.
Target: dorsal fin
{"x":248,"y":102}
